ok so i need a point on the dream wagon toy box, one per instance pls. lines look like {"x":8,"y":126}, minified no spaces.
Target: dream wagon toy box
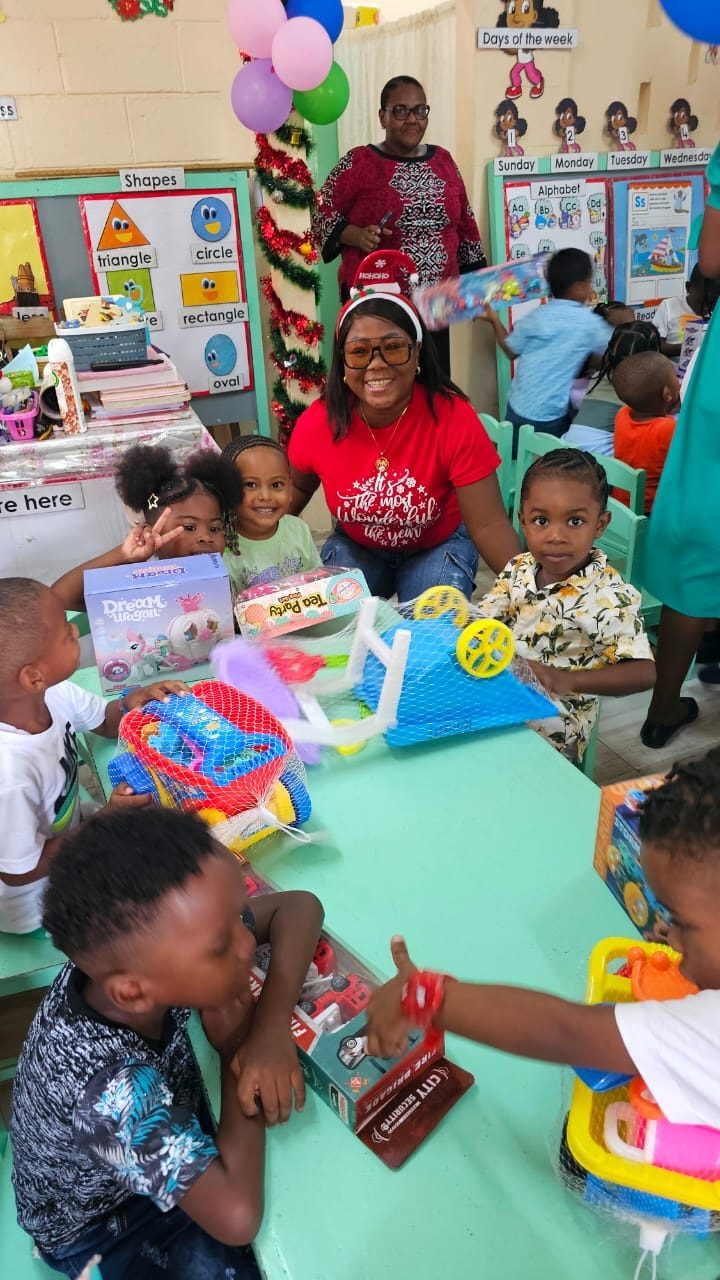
{"x":157,"y":619}
{"x":319,"y":595}
{"x":617,"y":855}
{"x":390,"y":1104}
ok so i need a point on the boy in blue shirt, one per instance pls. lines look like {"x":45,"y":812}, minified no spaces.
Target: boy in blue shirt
{"x":553,"y":344}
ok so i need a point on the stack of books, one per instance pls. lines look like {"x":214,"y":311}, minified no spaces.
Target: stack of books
{"x":153,"y":393}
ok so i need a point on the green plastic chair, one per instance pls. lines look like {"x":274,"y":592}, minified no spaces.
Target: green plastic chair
{"x":501,"y":434}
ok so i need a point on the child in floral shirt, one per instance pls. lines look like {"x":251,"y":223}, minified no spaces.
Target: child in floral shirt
{"x":572,"y":615}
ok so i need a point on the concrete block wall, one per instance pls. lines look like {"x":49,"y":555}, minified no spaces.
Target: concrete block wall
{"x":93,"y":91}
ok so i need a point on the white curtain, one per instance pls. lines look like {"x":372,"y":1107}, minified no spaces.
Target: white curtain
{"x":422,"y":46}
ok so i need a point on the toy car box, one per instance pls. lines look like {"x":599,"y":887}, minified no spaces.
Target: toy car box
{"x":617,"y":855}
{"x":319,"y":595}
{"x":157,"y":619}
{"x":391,"y":1105}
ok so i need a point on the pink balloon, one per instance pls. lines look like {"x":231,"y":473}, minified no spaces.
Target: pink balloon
{"x":253,"y":25}
{"x":302,"y":53}
{"x":259,"y":98}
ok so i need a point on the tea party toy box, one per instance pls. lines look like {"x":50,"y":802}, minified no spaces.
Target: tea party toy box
{"x":390,"y":1104}
{"x":617,"y":855}
{"x":157,"y":619}
{"x":318,"y":595}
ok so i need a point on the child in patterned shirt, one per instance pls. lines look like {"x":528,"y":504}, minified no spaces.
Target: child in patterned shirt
{"x":114,"y":1152}
{"x":572,"y":615}
{"x":264,"y":543}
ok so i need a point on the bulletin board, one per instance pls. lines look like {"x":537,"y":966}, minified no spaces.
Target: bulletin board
{"x":59,"y":204}
{"x":178,"y":255}
{"x":635,"y":227}
{"x":23,"y":263}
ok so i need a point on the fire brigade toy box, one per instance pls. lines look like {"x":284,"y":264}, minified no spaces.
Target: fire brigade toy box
{"x":391,"y":1105}
{"x":617,"y":855}
{"x":157,"y":619}
{"x":319,"y":595}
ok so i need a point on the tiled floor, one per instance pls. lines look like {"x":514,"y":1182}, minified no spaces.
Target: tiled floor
{"x":620,"y":752}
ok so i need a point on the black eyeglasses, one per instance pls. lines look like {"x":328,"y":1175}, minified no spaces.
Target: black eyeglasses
{"x":358,"y":355}
{"x":401,"y":112}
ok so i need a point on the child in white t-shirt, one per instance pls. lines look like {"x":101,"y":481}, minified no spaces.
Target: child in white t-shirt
{"x":675,"y":1044}
{"x":265,"y":544}
{"x":40,"y":713}
{"x":673,"y":314}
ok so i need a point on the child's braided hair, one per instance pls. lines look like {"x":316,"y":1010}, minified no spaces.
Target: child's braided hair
{"x":683,"y":814}
{"x":627,"y":340}
{"x":568,"y":464}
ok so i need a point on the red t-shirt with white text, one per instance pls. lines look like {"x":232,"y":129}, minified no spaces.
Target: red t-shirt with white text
{"x":413,"y":504}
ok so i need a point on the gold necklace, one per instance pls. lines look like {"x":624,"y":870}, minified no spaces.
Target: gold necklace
{"x":382,"y":462}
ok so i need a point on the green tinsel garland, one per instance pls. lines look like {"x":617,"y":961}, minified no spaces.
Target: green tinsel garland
{"x":299,"y":364}
{"x":290,"y":407}
{"x":284,"y":191}
{"x":294,"y":135}
{"x":301,"y":276}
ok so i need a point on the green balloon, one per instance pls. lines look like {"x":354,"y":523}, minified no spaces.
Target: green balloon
{"x":326,"y":103}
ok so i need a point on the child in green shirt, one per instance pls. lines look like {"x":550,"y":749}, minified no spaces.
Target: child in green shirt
{"x":265,"y":544}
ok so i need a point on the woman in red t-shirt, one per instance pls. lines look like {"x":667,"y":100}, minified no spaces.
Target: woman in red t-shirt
{"x":406,"y":466}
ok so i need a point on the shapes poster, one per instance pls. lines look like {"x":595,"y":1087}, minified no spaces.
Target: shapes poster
{"x":178,"y":255}
{"x":659,"y":218}
{"x":24,"y":276}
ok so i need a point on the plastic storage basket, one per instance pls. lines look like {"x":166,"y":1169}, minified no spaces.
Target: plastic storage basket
{"x":21,"y":426}
{"x":121,"y":343}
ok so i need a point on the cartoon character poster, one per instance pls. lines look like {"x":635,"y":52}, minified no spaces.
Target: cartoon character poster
{"x":24,"y":276}
{"x":178,"y":255}
{"x":523,"y":29}
{"x":659,"y":218}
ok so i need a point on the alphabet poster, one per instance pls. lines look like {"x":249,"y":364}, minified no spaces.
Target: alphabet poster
{"x":24,"y":278}
{"x":178,"y":255}
{"x":543,"y":215}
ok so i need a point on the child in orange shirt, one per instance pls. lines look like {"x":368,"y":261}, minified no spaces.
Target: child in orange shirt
{"x":647,"y":384}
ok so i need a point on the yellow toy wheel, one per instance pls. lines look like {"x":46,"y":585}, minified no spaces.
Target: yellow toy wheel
{"x":212,"y":816}
{"x":437,"y":601}
{"x":637,"y":907}
{"x":614,"y":859}
{"x":485,"y":648}
{"x":350,"y":748}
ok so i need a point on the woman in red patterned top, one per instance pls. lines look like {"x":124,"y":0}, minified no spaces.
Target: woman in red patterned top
{"x":417,"y":184}
{"x":406,"y":466}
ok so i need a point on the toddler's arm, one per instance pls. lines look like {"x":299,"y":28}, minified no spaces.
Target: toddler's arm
{"x":633,"y":675}
{"x":502,"y":337}
{"x":527,"y":1023}
{"x":266,"y":1065}
{"x":141,"y":543}
{"x":114,"y":711}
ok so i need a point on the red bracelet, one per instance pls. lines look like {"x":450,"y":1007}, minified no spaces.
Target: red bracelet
{"x":422,"y":997}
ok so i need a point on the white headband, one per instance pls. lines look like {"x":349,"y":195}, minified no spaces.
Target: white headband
{"x":397,"y":298}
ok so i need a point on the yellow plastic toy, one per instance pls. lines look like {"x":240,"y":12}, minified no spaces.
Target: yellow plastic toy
{"x":437,"y":601}
{"x":485,"y":647}
{"x":636,"y":1181}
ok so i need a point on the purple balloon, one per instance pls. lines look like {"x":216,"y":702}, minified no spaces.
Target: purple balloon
{"x":259,"y":98}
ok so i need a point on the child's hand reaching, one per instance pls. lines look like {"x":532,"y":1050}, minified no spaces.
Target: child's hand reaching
{"x":558,"y":680}
{"x":123,"y":797}
{"x":268,"y":1074}
{"x":388,"y":1028}
{"x":145,"y":540}
{"x":159,"y":692}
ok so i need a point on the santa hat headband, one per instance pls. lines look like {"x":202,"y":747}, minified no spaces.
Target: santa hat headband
{"x":385,"y":274}
{"x":370,"y":295}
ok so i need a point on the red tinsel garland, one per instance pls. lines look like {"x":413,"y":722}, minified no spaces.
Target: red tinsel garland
{"x":282,"y":241}
{"x":287,"y":320}
{"x":268,"y":157}
{"x":306,"y":382}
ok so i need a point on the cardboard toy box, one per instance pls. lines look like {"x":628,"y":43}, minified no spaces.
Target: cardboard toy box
{"x":157,"y":619}
{"x":319,"y":595}
{"x":617,"y":855}
{"x":391,"y":1105}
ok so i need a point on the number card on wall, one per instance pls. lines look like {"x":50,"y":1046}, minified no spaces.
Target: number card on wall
{"x":178,"y":255}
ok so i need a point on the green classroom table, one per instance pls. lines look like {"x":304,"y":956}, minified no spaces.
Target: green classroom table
{"x":479,"y":850}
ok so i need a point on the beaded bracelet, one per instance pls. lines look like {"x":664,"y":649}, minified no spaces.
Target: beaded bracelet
{"x":422,"y":997}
